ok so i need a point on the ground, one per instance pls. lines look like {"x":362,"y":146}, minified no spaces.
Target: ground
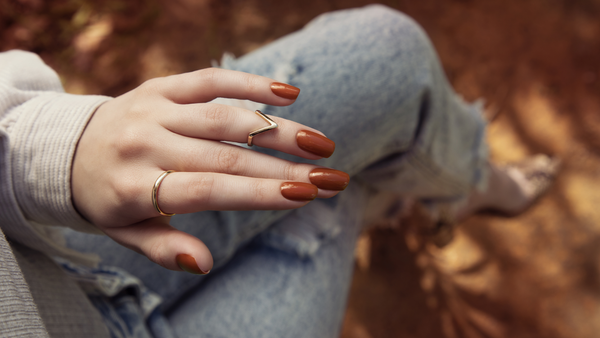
{"x":534,"y":62}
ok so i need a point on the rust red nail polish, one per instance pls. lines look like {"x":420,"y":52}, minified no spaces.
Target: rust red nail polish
{"x":298,"y":191}
{"x":188,"y":263}
{"x":315,"y":143}
{"x":285,"y":90}
{"x":329,"y":179}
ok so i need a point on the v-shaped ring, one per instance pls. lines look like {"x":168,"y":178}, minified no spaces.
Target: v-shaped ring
{"x":272,"y":125}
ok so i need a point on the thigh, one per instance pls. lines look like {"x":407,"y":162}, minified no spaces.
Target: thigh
{"x":280,"y":289}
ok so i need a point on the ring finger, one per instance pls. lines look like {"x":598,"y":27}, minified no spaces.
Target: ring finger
{"x":193,"y":155}
{"x":185,"y":192}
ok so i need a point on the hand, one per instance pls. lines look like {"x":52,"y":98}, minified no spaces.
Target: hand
{"x":166,"y":124}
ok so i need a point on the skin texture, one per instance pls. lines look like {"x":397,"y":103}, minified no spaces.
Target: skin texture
{"x":166,"y":124}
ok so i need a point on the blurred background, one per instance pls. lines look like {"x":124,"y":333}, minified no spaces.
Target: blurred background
{"x":535,"y":62}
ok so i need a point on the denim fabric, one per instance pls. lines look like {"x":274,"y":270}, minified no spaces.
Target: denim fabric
{"x":127,"y":307}
{"x":370,"y":81}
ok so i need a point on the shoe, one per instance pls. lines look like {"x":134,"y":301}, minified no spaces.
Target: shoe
{"x":535,"y":175}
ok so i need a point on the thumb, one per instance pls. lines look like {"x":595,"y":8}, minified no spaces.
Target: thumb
{"x":164,"y":245}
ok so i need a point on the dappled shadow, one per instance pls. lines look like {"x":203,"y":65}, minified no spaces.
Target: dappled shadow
{"x":535,"y":275}
{"x":535,"y":62}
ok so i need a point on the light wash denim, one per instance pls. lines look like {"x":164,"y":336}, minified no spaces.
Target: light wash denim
{"x":371,"y":81}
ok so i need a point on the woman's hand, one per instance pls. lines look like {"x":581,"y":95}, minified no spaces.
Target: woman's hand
{"x":166,"y":124}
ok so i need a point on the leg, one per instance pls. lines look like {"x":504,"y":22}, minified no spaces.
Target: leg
{"x":372,"y":82}
{"x":512,"y":188}
{"x":266,"y":292}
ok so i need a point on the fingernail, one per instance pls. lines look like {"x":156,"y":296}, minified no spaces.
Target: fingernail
{"x":315,"y":143}
{"x":188,"y":263}
{"x":297,"y":191}
{"x":329,"y":179}
{"x":285,"y":90}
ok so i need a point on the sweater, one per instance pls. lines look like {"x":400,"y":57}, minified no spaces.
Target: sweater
{"x":40,"y":126}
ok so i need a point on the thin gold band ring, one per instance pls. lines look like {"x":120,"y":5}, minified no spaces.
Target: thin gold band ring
{"x":155,"y":192}
{"x":272,"y":125}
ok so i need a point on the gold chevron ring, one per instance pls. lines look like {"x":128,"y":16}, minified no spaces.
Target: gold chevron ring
{"x":272,"y":125}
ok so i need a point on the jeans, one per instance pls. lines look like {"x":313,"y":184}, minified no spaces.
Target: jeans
{"x":370,"y":81}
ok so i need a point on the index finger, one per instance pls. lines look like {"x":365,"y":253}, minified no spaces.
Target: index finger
{"x":207,"y":84}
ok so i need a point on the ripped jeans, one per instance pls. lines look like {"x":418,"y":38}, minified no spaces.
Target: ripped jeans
{"x":371,"y":81}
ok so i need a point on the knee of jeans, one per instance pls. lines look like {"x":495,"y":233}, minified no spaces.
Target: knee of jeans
{"x":398,"y":30}
{"x":395,"y":28}
{"x":383,"y":15}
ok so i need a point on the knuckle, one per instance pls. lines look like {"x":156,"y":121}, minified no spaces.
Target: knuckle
{"x":210,"y":75}
{"x":229,"y":160}
{"x":156,"y":252}
{"x":129,"y":142}
{"x":259,"y":190}
{"x":251,"y":82}
{"x":292,"y":172}
{"x":138,"y":110}
{"x":126,"y":190}
{"x":215,"y":119}
{"x":151,"y":86}
{"x":200,"y":191}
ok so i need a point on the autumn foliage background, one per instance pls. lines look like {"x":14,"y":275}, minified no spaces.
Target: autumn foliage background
{"x":535,"y":62}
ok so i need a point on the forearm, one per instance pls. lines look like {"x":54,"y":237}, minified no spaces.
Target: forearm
{"x":39,"y":129}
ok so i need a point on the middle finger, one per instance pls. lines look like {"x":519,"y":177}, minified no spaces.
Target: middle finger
{"x":227,"y":123}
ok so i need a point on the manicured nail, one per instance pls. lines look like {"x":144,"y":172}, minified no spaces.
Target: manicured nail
{"x":315,"y":143}
{"x":285,"y":90}
{"x":188,"y":264}
{"x":297,"y":191}
{"x":329,"y":179}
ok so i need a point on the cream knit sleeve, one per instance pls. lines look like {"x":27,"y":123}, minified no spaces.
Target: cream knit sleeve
{"x":40,"y":126}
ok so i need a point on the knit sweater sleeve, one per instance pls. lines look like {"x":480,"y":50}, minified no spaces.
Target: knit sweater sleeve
{"x":40,"y":126}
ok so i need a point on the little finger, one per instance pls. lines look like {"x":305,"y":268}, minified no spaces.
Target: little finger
{"x":164,"y":245}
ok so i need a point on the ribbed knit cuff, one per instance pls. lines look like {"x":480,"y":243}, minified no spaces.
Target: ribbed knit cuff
{"x":42,"y":147}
